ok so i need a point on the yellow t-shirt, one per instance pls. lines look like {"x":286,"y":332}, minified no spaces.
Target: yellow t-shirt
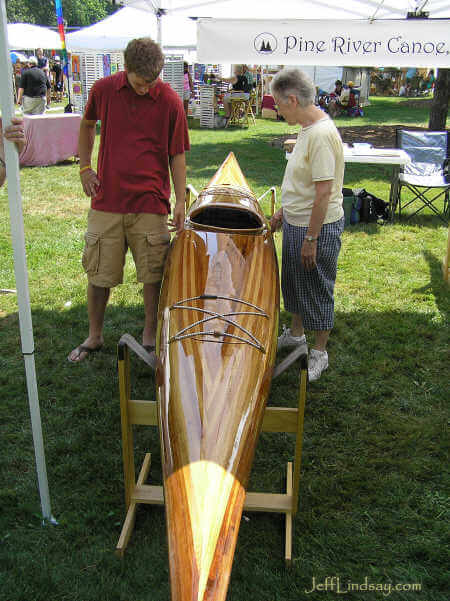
{"x":318,"y":155}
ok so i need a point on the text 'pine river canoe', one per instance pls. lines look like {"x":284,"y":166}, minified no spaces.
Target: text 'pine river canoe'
{"x":217,"y":328}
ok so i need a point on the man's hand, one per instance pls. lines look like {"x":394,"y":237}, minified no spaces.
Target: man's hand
{"x":308,"y":255}
{"x":276,"y":220}
{"x":177,"y":222}
{"x":90,"y":182}
{"x":15,"y":133}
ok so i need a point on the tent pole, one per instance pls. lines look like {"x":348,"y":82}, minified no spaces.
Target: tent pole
{"x":20,"y":265}
{"x":159,"y":28}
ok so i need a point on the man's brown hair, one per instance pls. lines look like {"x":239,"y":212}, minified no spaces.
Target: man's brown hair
{"x":144,"y":57}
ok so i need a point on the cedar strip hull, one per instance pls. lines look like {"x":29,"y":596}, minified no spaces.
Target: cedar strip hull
{"x":213,"y":379}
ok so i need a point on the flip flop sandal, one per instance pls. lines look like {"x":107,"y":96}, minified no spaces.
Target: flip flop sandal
{"x":84,"y":349}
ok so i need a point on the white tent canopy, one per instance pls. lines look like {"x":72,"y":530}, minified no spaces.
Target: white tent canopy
{"x":293,"y":9}
{"x":22,"y":36}
{"x":114,"y":32}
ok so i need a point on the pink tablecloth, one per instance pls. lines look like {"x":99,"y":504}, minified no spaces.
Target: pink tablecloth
{"x":50,"y":138}
{"x":268,"y":102}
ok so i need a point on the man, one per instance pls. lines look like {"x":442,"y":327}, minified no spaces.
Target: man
{"x":33,"y":89}
{"x":13,"y":133}
{"x":240,"y":89}
{"x":143,"y":135}
{"x":43,"y":64}
{"x":248,"y":75}
{"x":57,"y":78}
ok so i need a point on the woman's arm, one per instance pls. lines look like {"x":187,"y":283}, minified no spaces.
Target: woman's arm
{"x":319,"y":210}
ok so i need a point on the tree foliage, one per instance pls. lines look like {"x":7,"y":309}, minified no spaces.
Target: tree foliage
{"x":42,"y":12}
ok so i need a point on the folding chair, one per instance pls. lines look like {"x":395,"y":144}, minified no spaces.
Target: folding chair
{"x":238,"y":116}
{"x":427,"y":174}
{"x":251,"y":102}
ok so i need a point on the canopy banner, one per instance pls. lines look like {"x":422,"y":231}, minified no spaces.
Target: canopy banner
{"x":363,"y":43}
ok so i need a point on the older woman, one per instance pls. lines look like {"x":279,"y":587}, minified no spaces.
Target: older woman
{"x":312,"y":217}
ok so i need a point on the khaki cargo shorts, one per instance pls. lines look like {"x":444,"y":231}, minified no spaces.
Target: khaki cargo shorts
{"x":108,"y":237}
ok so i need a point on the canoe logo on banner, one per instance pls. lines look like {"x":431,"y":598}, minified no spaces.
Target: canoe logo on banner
{"x":265,"y":43}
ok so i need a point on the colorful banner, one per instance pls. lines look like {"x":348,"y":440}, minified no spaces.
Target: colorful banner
{"x":60,"y":20}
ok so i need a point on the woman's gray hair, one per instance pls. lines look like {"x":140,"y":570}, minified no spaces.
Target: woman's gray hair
{"x":296,"y":82}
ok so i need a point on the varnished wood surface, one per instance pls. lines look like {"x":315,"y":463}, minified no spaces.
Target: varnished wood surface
{"x":212,"y":388}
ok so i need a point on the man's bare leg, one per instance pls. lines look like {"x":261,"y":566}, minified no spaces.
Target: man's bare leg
{"x":97,"y":300}
{"x":151,"y":298}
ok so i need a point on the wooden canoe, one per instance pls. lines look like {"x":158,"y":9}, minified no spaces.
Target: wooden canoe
{"x":217,"y":328}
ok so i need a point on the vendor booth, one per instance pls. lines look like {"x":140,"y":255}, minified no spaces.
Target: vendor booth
{"x":423,"y":43}
{"x":97,"y":51}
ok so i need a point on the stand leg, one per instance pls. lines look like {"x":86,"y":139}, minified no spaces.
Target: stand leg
{"x":127,"y":428}
{"x":299,"y":437}
{"x":128,"y":525}
{"x":288,"y":540}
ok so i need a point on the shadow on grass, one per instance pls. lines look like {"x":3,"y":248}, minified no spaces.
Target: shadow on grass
{"x":370,"y":499}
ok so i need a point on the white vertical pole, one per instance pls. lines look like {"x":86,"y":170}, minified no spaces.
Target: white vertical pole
{"x":159,"y":29}
{"x":20,"y":263}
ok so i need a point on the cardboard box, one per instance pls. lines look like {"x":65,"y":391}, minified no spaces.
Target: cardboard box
{"x":269,"y":114}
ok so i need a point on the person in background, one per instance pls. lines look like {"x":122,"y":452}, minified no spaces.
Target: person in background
{"x":240,"y":89}
{"x":188,"y":90}
{"x":33,"y":87}
{"x":57,"y":77}
{"x":43,"y":64}
{"x":14,"y":133}
{"x":334,"y":104}
{"x":143,"y":140}
{"x":248,"y":75}
{"x":311,"y":215}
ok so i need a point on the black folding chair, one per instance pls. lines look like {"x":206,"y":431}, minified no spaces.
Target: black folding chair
{"x":427,"y":174}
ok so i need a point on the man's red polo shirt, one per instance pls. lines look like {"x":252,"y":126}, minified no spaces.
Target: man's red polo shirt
{"x":138,"y":135}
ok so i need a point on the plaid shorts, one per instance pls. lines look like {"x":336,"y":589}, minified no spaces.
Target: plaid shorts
{"x":310,"y":293}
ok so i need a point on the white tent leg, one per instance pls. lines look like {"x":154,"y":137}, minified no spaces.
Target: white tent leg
{"x":20,"y":264}
{"x":159,"y":29}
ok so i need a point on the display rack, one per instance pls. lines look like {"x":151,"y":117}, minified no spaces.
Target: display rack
{"x":207,"y":106}
{"x":87,"y":68}
{"x":173,"y":73}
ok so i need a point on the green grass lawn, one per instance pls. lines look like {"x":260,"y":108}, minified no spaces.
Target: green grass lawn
{"x":374,"y":486}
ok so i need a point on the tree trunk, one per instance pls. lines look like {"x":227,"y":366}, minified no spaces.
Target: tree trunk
{"x":439,"y":107}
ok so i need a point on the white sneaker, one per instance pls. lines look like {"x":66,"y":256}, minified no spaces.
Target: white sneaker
{"x":286,"y":339}
{"x":317,"y":363}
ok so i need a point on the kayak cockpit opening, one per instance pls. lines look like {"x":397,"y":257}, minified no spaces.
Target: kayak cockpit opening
{"x":227,"y":218}
{"x":227,"y":209}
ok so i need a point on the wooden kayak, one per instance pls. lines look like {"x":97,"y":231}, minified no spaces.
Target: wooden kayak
{"x":217,"y":328}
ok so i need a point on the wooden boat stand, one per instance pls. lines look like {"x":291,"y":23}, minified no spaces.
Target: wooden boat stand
{"x":144,"y":413}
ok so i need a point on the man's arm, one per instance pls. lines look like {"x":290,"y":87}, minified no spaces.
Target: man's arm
{"x":178,"y":170}
{"x":86,"y":141}
{"x":19,"y":95}
{"x":13,"y":133}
